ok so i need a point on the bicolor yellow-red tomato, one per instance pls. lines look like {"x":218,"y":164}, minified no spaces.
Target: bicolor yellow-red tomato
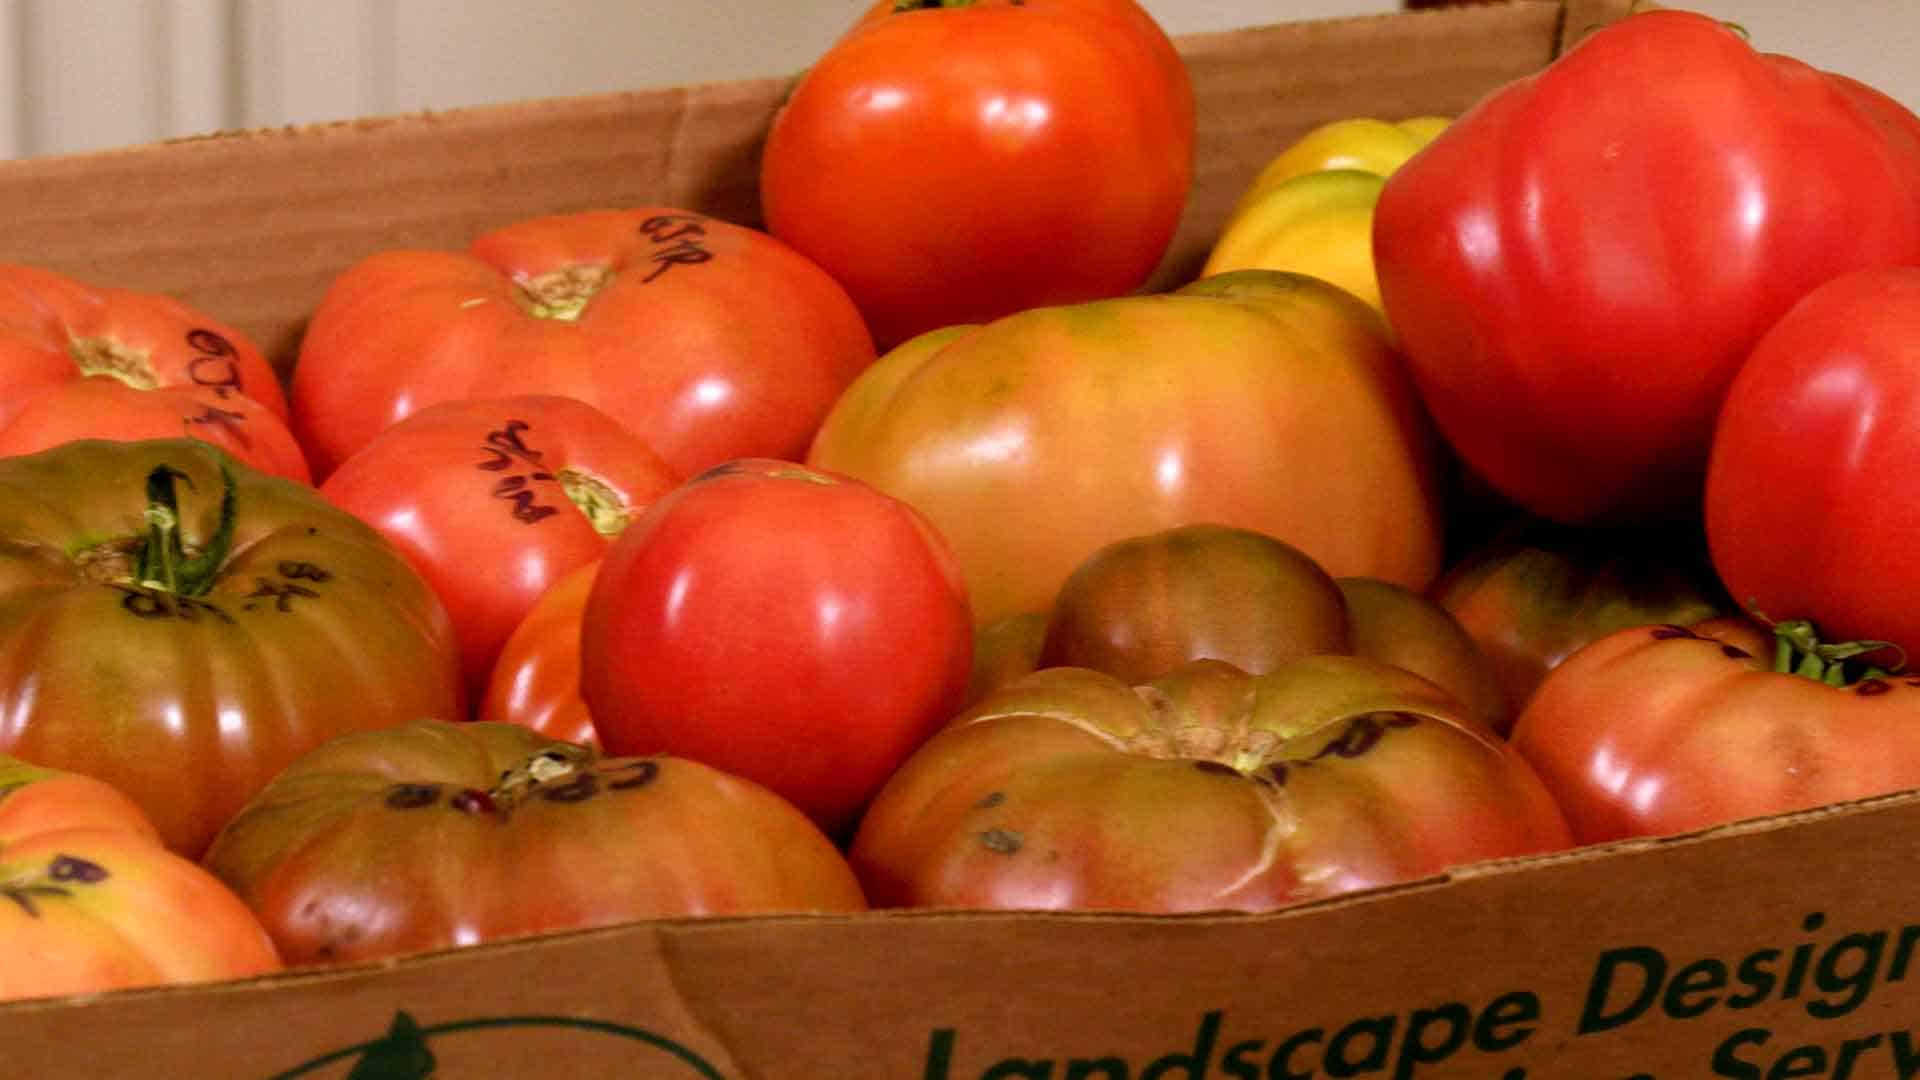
{"x":90,"y":900}
{"x":1257,"y":399}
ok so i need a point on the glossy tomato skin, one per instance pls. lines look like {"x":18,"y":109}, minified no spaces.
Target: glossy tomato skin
{"x":1809,"y":511}
{"x":1256,"y":399}
{"x":1143,"y":606}
{"x":55,"y":328}
{"x":935,"y":158}
{"x":1533,"y":593}
{"x":495,"y":499}
{"x":1578,"y":266}
{"x":788,"y":625}
{"x":101,"y":407}
{"x":310,"y":625}
{"x":433,"y":834}
{"x":1657,"y":730}
{"x":1206,"y":789}
{"x":94,"y":902}
{"x":708,"y":339}
{"x":536,"y":678}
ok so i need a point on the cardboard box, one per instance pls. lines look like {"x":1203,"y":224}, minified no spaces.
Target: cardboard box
{"x":1772,"y":949}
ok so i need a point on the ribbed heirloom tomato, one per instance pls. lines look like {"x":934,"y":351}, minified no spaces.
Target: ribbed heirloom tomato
{"x":83,"y":361}
{"x":1256,"y":399}
{"x":788,"y":625}
{"x":708,"y":339}
{"x":432,"y":834}
{"x":90,"y":900}
{"x":182,"y":627}
{"x":1656,"y":730}
{"x":1579,"y":264}
{"x":955,"y":161}
{"x":1203,"y":789}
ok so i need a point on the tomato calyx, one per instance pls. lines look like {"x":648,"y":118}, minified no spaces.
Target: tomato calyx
{"x":603,"y":507}
{"x":113,"y":359}
{"x":562,"y":295}
{"x":553,"y":771}
{"x":163,"y":562}
{"x":1798,"y":650}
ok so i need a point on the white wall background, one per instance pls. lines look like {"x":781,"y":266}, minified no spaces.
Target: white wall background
{"x":85,"y":74}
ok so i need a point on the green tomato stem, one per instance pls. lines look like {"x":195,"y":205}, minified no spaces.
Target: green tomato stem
{"x":164,"y":564}
{"x":1798,"y":650}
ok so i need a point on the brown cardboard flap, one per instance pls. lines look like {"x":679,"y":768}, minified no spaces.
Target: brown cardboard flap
{"x":1646,"y":959}
{"x":251,"y":226}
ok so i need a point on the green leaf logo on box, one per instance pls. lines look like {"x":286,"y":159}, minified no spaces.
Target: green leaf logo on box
{"x":406,"y":1051}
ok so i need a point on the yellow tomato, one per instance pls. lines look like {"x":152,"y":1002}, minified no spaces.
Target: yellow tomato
{"x":1361,"y":142}
{"x":1317,"y":223}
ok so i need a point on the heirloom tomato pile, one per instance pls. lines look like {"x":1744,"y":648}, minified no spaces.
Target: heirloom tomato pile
{"x":949,"y":536}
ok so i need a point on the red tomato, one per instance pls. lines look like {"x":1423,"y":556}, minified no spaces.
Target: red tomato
{"x":1204,"y":789}
{"x":54,"y":329}
{"x":940,"y":159}
{"x":1032,"y":441}
{"x":784,"y":624}
{"x":710,"y":340}
{"x":431,"y":834}
{"x":1810,"y":508}
{"x":182,"y":627}
{"x":94,"y":902}
{"x":1578,"y":266}
{"x":1662,"y":729}
{"x":495,"y":499}
{"x":536,"y":678}
{"x":105,"y":408}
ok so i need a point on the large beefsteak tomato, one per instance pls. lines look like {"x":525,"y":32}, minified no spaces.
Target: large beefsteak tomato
{"x":710,"y":340}
{"x":1204,"y":789}
{"x":1256,"y":399}
{"x":182,"y":627}
{"x":431,"y":834}
{"x":1578,"y":265}
{"x":954,"y":161}
{"x":1656,"y":730}
{"x":85,"y":361}
{"x":90,"y":900}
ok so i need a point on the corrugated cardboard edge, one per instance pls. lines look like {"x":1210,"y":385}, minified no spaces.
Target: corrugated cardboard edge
{"x":779,"y":997}
{"x":251,"y":226}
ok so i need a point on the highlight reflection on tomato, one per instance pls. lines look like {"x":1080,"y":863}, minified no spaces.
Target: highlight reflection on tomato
{"x":788,"y":625}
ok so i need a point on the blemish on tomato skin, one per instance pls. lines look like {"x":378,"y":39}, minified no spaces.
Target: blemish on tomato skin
{"x":1001,"y":841}
{"x":990,"y":800}
{"x":412,"y":796}
{"x":1872,"y":687}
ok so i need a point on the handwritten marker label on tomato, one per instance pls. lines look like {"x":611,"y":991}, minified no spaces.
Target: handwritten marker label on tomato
{"x":494,"y":500}
{"x":792,"y":626}
{"x":708,"y":339}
